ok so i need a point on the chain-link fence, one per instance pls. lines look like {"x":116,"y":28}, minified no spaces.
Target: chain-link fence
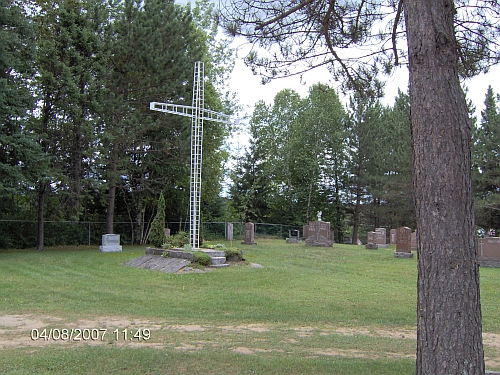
{"x":20,"y":234}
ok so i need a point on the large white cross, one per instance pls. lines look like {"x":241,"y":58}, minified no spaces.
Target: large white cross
{"x":197,"y":113}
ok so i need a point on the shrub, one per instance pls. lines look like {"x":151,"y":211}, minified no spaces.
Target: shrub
{"x":201,"y":258}
{"x":178,"y":240}
{"x":230,"y":253}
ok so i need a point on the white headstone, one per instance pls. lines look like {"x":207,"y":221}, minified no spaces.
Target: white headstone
{"x":110,"y":243}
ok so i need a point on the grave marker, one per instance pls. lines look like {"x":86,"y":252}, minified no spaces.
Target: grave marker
{"x":381,"y":237}
{"x":414,"y":241}
{"x":229,"y":231}
{"x":393,"y":236}
{"x":293,"y":237}
{"x":403,"y":244}
{"x":489,"y":251}
{"x":249,"y":234}
{"x":371,"y":241}
{"x":319,"y":234}
{"x":110,"y":243}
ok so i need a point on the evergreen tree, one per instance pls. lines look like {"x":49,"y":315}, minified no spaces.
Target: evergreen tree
{"x":157,"y":233}
{"x":70,"y":81}
{"x":394,"y":155}
{"x":155,"y":46}
{"x":21,"y":158}
{"x":363,"y":126}
{"x":250,"y":189}
{"x":486,"y":170}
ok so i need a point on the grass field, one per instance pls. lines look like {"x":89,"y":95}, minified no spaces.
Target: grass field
{"x":341,"y":310}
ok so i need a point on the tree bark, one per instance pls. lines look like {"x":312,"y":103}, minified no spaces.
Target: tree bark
{"x":449,"y":338}
{"x":110,"y":213}
{"x":41,"y":213}
{"x":112,"y":176}
{"x":357,"y":212}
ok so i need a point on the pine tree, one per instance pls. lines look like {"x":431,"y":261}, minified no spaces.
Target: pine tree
{"x":439,"y":41}
{"x":157,"y":232}
{"x":21,"y":157}
{"x":486,"y":170}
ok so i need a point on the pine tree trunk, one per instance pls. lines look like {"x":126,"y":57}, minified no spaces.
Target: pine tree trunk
{"x":112,"y":176}
{"x":449,"y":339}
{"x":357,"y":212}
{"x":40,"y":213}
{"x":110,"y":213}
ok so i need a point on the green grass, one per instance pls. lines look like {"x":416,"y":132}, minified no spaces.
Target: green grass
{"x":308,"y":311}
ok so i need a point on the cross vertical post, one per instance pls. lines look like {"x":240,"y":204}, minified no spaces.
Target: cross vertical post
{"x":196,"y":155}
{"x":198,"y":114}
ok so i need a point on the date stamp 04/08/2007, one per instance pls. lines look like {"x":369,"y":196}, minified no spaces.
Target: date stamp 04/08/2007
{"x":90,"y":334}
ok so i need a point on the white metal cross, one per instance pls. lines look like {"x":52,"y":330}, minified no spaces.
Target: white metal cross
{"x":197,"y":113}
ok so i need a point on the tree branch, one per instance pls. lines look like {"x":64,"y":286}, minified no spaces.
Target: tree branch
{"x":261,"y":25}
{"x":326,"y":21}
{"x":394,"y":32}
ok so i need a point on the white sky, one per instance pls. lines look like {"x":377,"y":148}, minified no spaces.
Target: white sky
{"x":250,"y":90}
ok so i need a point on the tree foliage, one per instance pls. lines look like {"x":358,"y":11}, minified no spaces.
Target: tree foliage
{"x":486,"y":172}
{"x":356,"y":40}
{"x":21,"y":158}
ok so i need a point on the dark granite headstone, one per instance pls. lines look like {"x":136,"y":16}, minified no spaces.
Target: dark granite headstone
{"x":489,"y":251}
{"x":403,"y":244}
{"x":381,"y":237}
{"x":319,"y":234}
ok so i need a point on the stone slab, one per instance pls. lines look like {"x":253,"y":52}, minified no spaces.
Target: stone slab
{"x":218,"y":260}
{"x":215,"y":253}
{"x":400,"y":254}
{"x":158,"y":263}
{"x":110,"y":249}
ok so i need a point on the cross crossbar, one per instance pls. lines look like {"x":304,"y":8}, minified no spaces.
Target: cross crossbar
{"x":189,"y":111}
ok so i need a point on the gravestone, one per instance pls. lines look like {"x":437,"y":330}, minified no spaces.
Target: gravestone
{"x":249,"y":234}
{"x":305,"y":231}
{"x":229,"y":231}
{"x":393,"y":236}
{"x":371,"y":241}
{"x":489,"y":251}
{"x":110,"y":243}
{"x":414,"y":241}
{"x":403,"y":244}
{"x":319,"y":234}
{"x":167,"y":232}
{"x":293,"y":237}
{"x":381,"y":237}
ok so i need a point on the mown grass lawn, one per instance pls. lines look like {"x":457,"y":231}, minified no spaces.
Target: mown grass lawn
{"x":340,"y":310}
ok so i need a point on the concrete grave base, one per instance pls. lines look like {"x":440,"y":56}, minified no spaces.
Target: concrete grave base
{"x":400,"y":254}
{"x":110,"y":249}
{"x":372,"y":246}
